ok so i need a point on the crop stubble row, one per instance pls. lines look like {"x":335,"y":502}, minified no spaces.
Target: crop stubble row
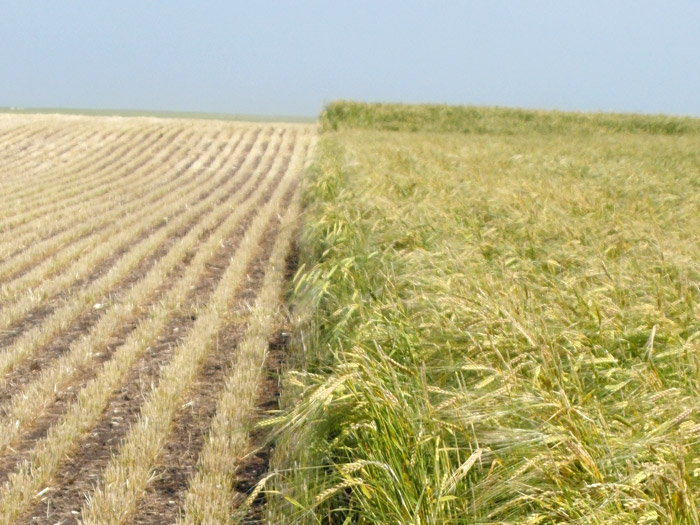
{"x":107,"y":245}
{"x":107,"y":347}
{"x":60,"y":212}
{"x":131,"y":215}
{"x":70,"y":171}
{"x":25,"y":144}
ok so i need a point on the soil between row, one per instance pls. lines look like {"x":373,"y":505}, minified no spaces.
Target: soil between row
{"x":79,"y":472}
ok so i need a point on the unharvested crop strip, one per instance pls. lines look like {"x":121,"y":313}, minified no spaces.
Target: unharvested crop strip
{"x":114,"y":499}
{"x":61,"y":318}
{"x":27,"y":406}
{"x":211,"y":495}
{"x":83,"y":414}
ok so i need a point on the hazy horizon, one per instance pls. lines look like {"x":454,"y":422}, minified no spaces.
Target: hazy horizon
{"x":290,"y":59}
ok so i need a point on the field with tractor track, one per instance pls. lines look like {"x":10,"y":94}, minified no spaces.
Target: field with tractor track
{"x":141,"y":268}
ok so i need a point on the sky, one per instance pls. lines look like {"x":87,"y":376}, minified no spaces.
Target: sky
{"x":293,"y":57}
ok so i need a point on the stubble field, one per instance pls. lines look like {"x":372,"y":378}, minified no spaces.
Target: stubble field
{"x":141,"y":263}
{"x":494,"y":318}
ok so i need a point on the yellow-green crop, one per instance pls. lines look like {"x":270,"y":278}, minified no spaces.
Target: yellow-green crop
{"x":499,"y":321}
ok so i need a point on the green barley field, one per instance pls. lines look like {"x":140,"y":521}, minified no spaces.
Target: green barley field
{"x":497,"y":319}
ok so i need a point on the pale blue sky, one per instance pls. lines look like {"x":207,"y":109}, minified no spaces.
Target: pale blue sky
{"x":291,"y":57}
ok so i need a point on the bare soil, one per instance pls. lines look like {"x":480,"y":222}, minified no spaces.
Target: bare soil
{"x":178,"y":459}
{"x":177,"y":462}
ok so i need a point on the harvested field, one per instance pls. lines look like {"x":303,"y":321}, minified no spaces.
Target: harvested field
{"x":141,"y":266}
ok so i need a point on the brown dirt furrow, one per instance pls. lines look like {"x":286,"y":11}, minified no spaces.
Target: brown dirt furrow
{"x":257,"y":465}
{"x":29,"y":369}
{"x":81,"y":199}
{"x":37,"y":315}
{"x":27,"y":373}
{"x":21,"y":448}
{"x":178,"y":461}
{"x":77,"y":477}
